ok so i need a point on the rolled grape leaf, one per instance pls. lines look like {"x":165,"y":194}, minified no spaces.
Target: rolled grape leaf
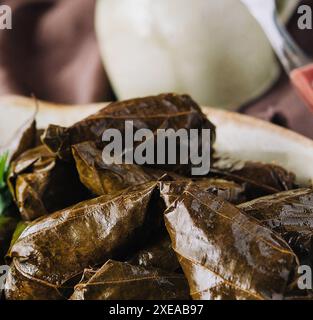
{"x":54,"y":250}
{"x":224,"y":253}
{"x":123,"y":281}
{"x":228,"y":190}
{"x":166,"y":111}
{"x":101,"y":178}
{"x":40,"y":183}
{"x":159,"y":254}
{"x":259,"y":179}
{"x":290,"y":214}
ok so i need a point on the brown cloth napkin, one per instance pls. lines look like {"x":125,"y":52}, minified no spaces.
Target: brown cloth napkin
{"x":52,"y":52}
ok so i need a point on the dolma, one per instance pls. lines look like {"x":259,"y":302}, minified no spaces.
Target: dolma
{"x":158,"y":254}
{"x":123,"y":281}
{"x":224,"y":253}
{"x":101,"y":178}
{"x":228,"y":190}
{"x":259,"y":179}
{"x":166,"y":111}
{"x":41,"y":184}
{"x":55,"y":249}
{"x":290,"y":214}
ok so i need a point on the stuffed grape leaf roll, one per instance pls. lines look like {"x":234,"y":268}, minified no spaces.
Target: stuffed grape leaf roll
{"x":101,"y":178}
{"x":55,"y":249}
{"x":40,"y":183}
{"x":290,"y":214}
{"x":224,"y":253}
{"x":166,"y":111}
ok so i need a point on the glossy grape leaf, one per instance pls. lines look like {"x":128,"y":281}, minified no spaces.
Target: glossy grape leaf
{"x":224,"y":253}
{"x":55,"y":249}
{"x":101,"y":178}
{"x":41,"y":184}
{"x":166,"y":111}
{"x":290,"y":214}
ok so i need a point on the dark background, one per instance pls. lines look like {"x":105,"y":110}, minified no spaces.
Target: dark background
{"x":51,"y":52}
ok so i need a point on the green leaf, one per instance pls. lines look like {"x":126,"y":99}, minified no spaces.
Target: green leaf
{"x":5,"y":200}
{"x":21,"y":226}
{"x":5,"y":195}
{"x":3,"y":169}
